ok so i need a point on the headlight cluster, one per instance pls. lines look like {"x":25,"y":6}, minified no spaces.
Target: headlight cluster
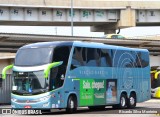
{"x":31,"y":101}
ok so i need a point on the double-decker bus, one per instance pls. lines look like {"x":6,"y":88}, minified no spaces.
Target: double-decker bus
{"x":155,"y":82}
{"x":75,"y":74}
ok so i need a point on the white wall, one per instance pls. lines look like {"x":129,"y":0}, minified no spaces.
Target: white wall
{"x":154,"y":60}
{"x":4,"y":63}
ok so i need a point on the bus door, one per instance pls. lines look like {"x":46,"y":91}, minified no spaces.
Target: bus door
{"x":58,"y":74}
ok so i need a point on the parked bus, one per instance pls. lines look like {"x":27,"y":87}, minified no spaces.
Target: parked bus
{"x":155,"y":82}
{"x":76,"y":74}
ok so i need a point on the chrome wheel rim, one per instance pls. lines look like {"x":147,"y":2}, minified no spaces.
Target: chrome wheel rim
{"x":72,"y":104}
{"x":132,"y":100}
{"x":123,"y":101}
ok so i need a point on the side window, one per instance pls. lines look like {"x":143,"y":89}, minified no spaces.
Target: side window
{"x":116,"y":58}
{"x":142,"y":59}
{"x":125,"y":58}
{"x":79,"y":57}
{"x":98,"y":57}
{"x":92,"y":57}
{"x":61,"y":54}
{"x":106,"y":58}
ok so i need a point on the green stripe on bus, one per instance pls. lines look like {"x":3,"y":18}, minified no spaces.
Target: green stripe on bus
{"x":76,"y":79}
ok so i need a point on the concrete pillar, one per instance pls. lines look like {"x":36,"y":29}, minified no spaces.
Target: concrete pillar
{"x":127,"y":18}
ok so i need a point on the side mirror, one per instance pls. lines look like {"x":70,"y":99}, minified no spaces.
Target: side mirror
{"x":51,"y":65}
{"x":5,"y":70}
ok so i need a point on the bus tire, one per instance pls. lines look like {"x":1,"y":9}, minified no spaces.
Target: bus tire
{"x":132,"y":101}
{"x":123,"y":102}
{"x":71,"y":104}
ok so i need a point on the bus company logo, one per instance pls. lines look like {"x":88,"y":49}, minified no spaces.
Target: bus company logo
{"x":93,"y":72}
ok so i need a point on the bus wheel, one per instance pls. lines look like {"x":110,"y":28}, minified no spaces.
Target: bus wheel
{"x":123,"y":101}
{"x":132,"y":101}
{"x":71,"y":104}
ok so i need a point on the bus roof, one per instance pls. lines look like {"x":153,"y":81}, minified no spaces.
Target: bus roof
{"x":47,"y":44}
{"x":79,"y":44}
{"x":105,"y":46}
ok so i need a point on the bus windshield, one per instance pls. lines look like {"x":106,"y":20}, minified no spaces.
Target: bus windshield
{"x":29,"y":83}
{"x":33,"y":56}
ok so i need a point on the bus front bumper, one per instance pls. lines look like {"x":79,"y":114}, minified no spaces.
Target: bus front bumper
{"x":45,"y":101}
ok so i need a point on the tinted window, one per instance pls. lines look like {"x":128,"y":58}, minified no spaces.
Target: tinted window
{"x":79,"y":57}
{"x":61,"y":54}
{"x":92,"y":57}
{"x":142,"y":59}
{"x":58,"y":73}
{"x":133,"y":59}
{"x":106,"y":58}
{"x":33,"y":56}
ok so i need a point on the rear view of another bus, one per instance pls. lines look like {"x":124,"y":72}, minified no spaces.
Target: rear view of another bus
{"x":155,"y":82}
